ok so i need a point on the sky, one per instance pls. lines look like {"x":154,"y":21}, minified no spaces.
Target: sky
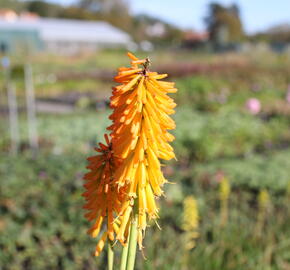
{"x":257,"y":15}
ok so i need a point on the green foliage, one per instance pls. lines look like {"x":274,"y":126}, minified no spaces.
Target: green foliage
{"x":224,"y":24}
{"x":14,"y":4}
{"x":253,"y":171}
{"x":198,"y":91}
{"x":42,"y":224}
{"x":43,"y":8}
{"x":61,"y":134}
{"x":224,"y":134}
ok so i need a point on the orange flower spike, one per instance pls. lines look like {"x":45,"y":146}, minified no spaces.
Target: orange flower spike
{"x":101,"y":195}
{"x":139,"y":139}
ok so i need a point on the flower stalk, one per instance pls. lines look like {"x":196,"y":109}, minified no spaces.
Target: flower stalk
{"x":110,"y":255}
{"x":132,"y":244}
{"x":124,"y":257}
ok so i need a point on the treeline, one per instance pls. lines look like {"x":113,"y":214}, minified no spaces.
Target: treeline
{"x":223,"y":23}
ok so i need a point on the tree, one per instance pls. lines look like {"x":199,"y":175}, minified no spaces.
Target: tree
{"x":92,"y":5}
{"x":11,"y":4}
{"x":74,"y":12}
{"x":104,"y":6}
{"x":43,"y":8}
{"x":224,"y":24}
{"x":115,"y":12}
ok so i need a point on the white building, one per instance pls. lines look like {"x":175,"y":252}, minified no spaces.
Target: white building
{"x":64,"y":36}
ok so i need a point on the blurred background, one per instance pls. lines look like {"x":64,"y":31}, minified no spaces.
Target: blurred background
{"x":231,"y":63}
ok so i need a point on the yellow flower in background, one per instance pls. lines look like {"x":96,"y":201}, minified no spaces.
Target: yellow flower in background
{"x":140,"y":138}
{"x":224,"y":189}
{"x":190,"y":221}
{"x":288,"y":189}
{"x":263,"y":198}
{"x":264,"y":204}
{"x":224,"y":193}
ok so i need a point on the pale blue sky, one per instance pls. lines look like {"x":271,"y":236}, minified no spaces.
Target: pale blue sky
{"x":256,"y":14}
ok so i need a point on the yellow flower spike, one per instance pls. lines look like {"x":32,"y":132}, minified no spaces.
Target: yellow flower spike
{"x":264,"y":205}
{"x":190,"y":221}
{"x":225,"y":189}
{"x":224,"y":193}
{"x":140,"y":137}
{"x":288,"y":189}
{"x":263,"y":198}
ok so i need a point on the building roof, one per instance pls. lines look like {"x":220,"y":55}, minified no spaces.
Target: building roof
{"x":51,"y":29}
{"x":196,"y":36}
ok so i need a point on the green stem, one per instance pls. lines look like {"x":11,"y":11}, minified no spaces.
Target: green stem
{"x":124,"y":257}
{"x":110,"y":255}
{"x":132,"y":244}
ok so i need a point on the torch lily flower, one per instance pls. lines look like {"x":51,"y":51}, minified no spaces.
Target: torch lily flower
{"x":140,"y":137}
{"x":125,"y":178}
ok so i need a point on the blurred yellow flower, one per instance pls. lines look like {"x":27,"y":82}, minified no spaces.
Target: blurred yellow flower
{"x":288,"y":188}
{"x":263,"y":208}
{"x":263,"y":198}
{"x":224,"y":193}
{"x":225,"y":189}
{"x":190,"y":221}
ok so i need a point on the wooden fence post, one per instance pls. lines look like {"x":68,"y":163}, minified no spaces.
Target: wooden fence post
{"x":13,"y":118}
{"x":31,"y":108}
